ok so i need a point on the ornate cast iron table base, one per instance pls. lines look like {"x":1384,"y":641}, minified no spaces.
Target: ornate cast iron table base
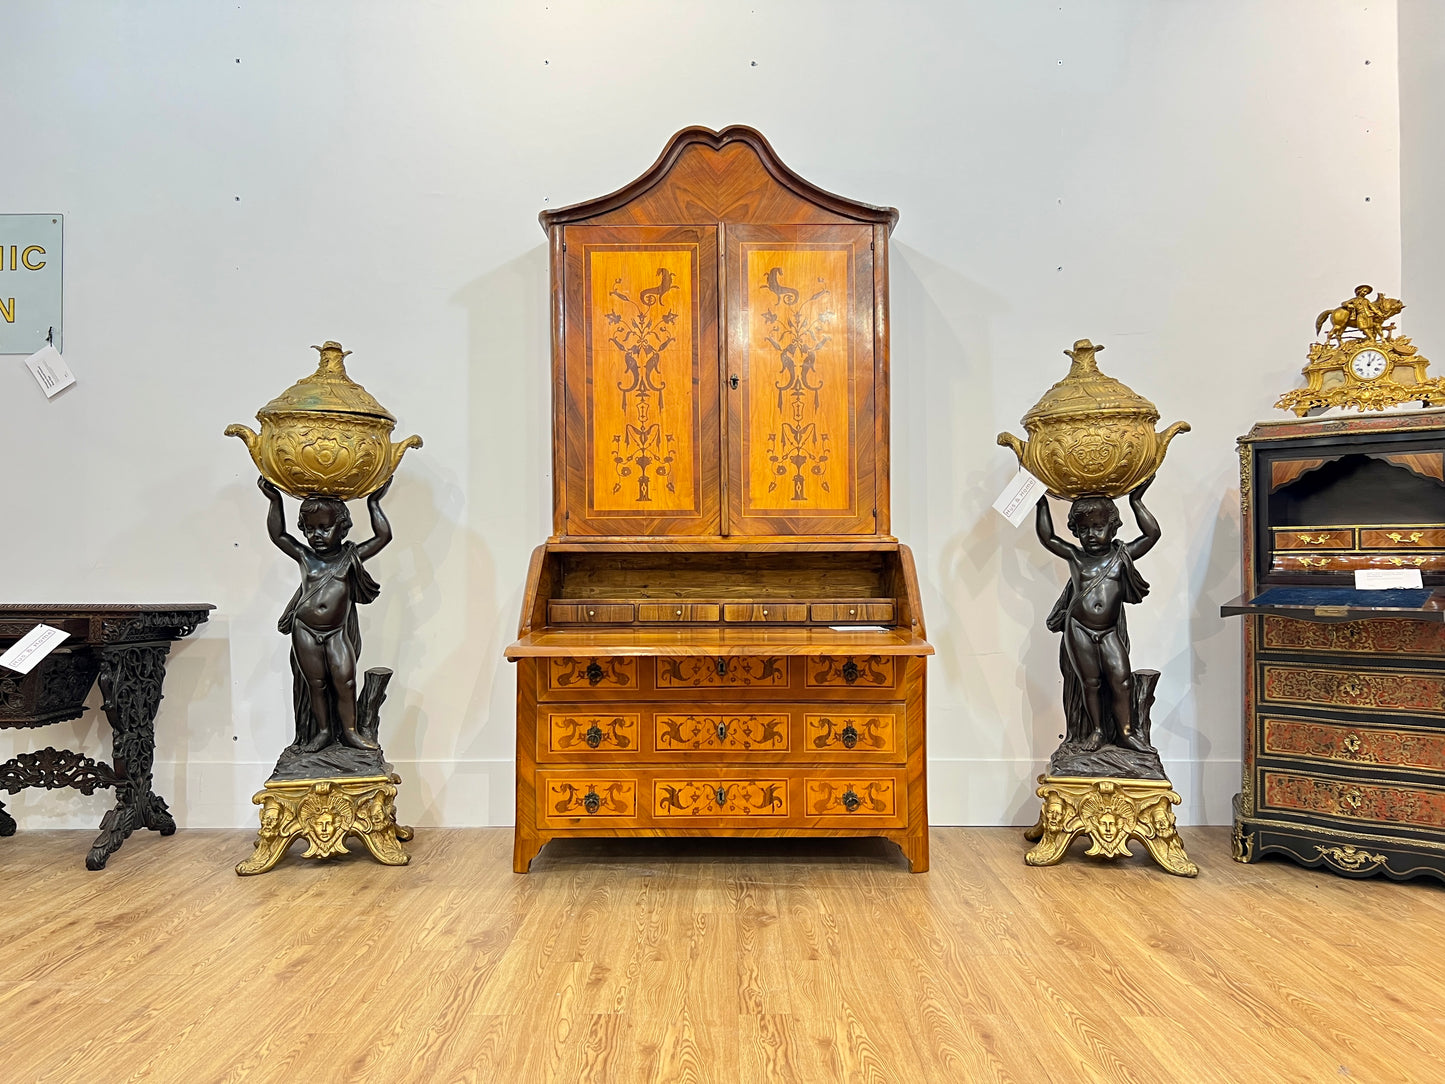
{"x":324,"y":812}
{"x":1109,"y":811}
{"x":124,"y":646}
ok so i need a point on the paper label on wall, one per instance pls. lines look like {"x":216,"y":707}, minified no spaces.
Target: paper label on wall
{"x":50,"y":371}
{"x":1019,"y":497}
{"x":25,"y":653}
{"x":1385,"y":579}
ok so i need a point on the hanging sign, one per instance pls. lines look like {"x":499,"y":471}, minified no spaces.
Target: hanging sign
{"x":30,"y":309}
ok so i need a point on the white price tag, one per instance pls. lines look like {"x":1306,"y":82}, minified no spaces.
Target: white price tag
{"x":50,"y":371}
{"x":1385,"y":579}
{"x":1019,"y":497}
{"x":25,"y":653}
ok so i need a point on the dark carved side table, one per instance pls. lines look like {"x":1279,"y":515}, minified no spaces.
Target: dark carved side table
{"x":125,"y":647}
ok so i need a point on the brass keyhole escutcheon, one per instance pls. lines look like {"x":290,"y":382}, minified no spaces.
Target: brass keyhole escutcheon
{"x":850,"y":800}
{"x":722,"y":667}
{"x":850,"y":671}
{"x":849,"y":736}
{"x":722,"y":732}
{"x":733,"y":381}
{"x":591,"y":802}
{"x":594,"y":735}
{"x":594,"y":672}
{"x":721,"y":796}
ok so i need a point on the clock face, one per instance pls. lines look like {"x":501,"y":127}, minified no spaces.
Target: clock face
{"x":1368,"y":364}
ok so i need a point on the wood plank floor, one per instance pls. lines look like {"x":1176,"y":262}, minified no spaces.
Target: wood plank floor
{"x":720,"y":961}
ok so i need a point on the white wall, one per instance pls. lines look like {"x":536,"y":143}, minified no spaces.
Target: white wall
{"x":1188,"y":183}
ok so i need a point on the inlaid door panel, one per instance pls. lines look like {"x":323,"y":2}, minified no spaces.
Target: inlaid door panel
{"x":802,"y":443}
{"x":640,"y":328}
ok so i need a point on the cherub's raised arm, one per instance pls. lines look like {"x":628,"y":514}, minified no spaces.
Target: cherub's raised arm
{"x":1149,"y":531}
{"x":380,"y":526}
{"x":1044,"y":525}
{"x":276,"y":522}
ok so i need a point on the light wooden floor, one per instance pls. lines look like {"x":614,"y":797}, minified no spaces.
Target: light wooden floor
{"x":729,"y":961}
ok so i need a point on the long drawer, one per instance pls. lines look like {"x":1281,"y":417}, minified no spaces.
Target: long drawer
{"x":583,"y":733}
{"x":871,"y":677}
{"x":721,"y":797}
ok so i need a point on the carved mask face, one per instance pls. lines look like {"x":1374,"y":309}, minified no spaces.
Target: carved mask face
{"x":325,"y":826}
{"x":1108,"y":826}
{"x":1163,"y":822}
{"x":270,"y":822}
{"x":1054,"y":814}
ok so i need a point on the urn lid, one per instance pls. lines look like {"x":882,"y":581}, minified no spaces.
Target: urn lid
{"x":327,"y":390}
{"x":1086,"y":391}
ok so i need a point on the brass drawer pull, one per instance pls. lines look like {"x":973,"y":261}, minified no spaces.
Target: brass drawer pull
{"x":594,"y":672}
{"x":1404,"y":539}
{"x":679,"y":613}
{"x":1414,"y":562}
{"x":1314,"y":562}
{"x":850,"y":671}
{"x":594,"y":735}
{"x":1313,"y":540}
{"x":849,"y":736}
{"x":850,"y":800}
{"x":591,"y":802}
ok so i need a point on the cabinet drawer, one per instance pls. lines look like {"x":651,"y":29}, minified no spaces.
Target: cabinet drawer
{"x":766,"y":612}
{"x":1411,"y":692}
{"x":1314,"y":538}
{"x":584,"y":613}
{"x":596,"y":676}
{"x":860,"y":735}
{"x":576,"y":796}
{"x":590,"y":732}
{"x":1402,"y":538}
{"x":1353,"y":801}
{"x":851,"y":671}
{"x":1393,"y":637}
{"x":838,"y":799}
{"x":1407,"y":748}
{"x":849,"y":613}
{"x":1430,"y":561}
{"x":728,"y":798}
{"x":665,"y":612}
{"x":732,"y":672}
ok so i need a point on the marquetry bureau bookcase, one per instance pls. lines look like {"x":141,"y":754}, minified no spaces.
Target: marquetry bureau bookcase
{"x":1344,"y":703}
{"x":721,"y":638}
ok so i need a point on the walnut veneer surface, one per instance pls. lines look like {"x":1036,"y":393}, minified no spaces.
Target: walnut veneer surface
{"x":721,"y":637}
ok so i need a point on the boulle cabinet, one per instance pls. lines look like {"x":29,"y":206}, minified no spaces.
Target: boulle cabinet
{"x":1344,"y":690}
{"x":721,"y":637}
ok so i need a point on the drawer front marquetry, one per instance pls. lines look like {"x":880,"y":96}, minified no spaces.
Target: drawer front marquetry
{"x":861,"y":733}
{"x":1356,"y":637}
{"x":582,"y":613}
{"x":856,"y":671}
{"x":576,"y":732}
{"x":600,"y":797}
{"x":848,"y":797}
{"x":1400,"y":691}
{"x":703,"y":672}
{"x":721,"y":732}
{"x":1380,"y":803}
{"x":848,"y":613}
{"x":671,"y":612}
{"x":1308,"y":538}
{"x":1399,"y":538}
{"x":1421,"y":750}
{"x":675,"y":799}
{"x":602,"y":673}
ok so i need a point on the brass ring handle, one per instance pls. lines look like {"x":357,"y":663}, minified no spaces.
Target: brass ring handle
{"x":850,"y":800}
{"x":594,"y":672}
{"x":594,"y":735}
{"x":850,"y":671}
{"x":849,"y":736}
{"x":591,"y":802}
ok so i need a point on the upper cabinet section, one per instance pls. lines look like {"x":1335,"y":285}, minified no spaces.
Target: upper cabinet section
{"x":720,"y":353}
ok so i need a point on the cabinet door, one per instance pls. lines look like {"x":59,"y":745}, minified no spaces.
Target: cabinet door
{"x":801,"y":436}
{"x":641,"y":381}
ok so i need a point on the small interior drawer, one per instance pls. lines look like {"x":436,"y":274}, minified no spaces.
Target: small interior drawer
{"x":1314,"y":538}
{"x":766,"y":612}
{"x":1402,"y":538}
{"x":855,"y":612}
{"x":588,"y":613}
